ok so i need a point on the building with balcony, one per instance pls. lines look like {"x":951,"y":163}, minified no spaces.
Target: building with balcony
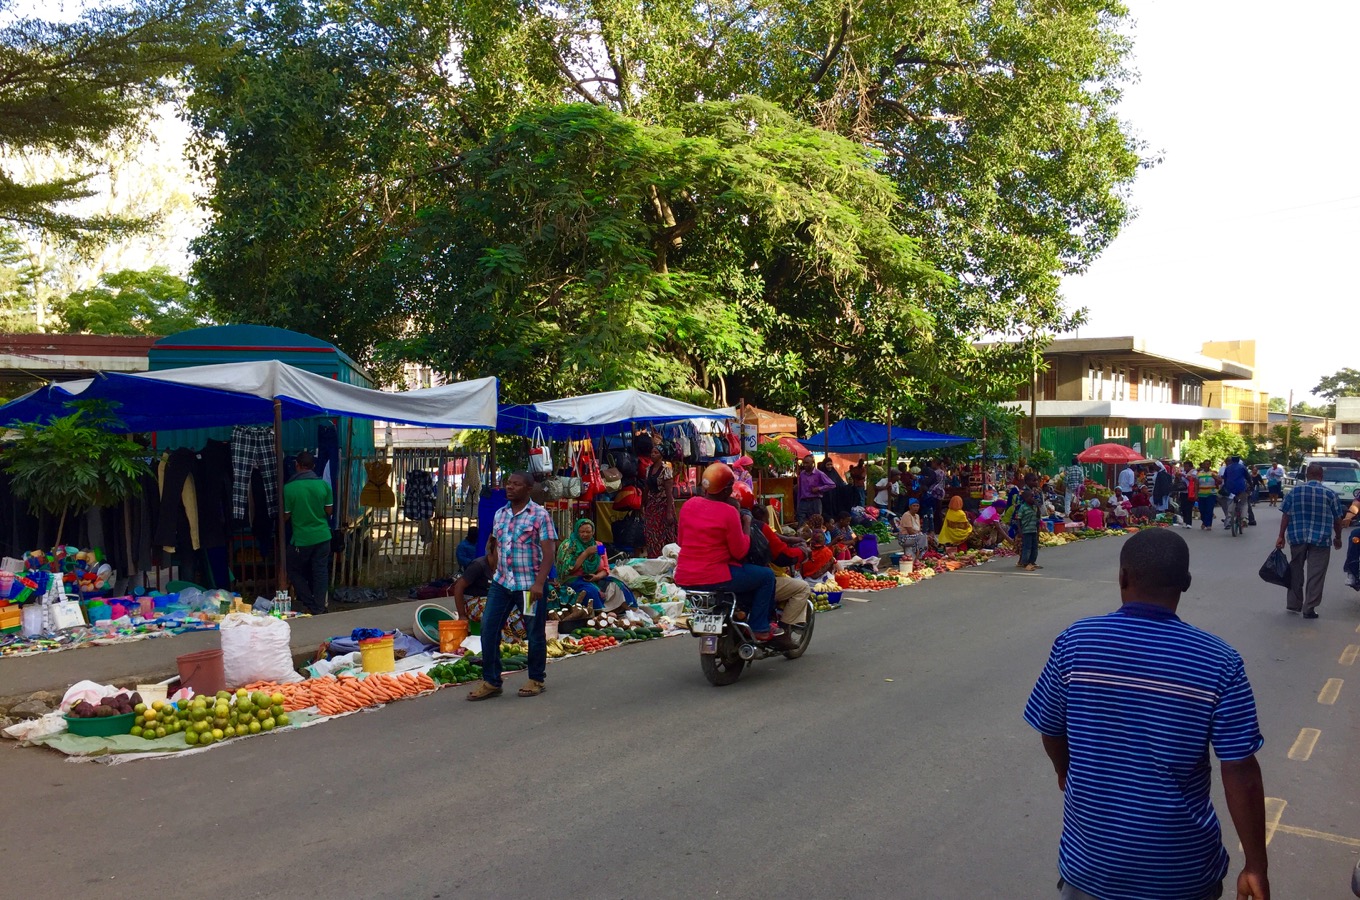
{"x":1245,"y":402}
{"x":1127,"y":390}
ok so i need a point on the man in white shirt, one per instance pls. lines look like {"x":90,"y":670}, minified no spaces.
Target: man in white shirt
{"x":1126,"y":480}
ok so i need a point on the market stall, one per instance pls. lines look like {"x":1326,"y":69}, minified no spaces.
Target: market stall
{"x":856,"y":436}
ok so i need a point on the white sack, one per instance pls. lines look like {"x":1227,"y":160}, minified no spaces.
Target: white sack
{"x":256,"y":648}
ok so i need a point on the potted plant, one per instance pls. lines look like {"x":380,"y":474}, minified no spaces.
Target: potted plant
{"x":772,"y":458}
{"x":74,"y":463}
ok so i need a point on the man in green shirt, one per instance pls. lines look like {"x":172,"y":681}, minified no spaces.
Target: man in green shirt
{"x":307,"y":505}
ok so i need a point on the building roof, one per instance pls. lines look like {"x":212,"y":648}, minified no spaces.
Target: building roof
{"x":1136,"y":350}
{"x":60,"y":357}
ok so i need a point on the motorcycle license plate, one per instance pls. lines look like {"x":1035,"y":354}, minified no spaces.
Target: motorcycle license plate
{"x":706,"y":624}
{"x":708,"y":645}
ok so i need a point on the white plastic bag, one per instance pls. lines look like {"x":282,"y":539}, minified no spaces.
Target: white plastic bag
{"x":256,"y":648}
{"x":32,"y":729}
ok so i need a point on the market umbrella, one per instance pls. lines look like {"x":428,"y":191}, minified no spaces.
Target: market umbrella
{"x":791,"y":444}
{"x":1109,"y":453}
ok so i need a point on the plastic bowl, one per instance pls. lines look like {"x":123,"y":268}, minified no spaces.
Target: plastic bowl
{"x":428,"y":617}
{"x":105,"y":727}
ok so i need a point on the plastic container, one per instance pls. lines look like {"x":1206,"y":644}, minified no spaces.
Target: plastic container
{"x":148,"y":607}
{"x":428,"y":617}
{"x":451,"y":634}
{"x":105,"y":727}
{"x":377,"y":655}
{"x":834,"y":598}
{"x":97,"y":610}
{"x":550,"y":629}
{"x":202,"y":672}
{"x":868,"y":546}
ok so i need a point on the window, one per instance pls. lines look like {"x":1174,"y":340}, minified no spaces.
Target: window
{"x":1350,"y":427}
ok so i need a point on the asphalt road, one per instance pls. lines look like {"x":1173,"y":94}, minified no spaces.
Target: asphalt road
{"x":890,"y":761}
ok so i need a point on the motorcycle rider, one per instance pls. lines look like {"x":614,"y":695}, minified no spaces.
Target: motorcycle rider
{"x":715,"y":537}
{"x":1236,"y":482}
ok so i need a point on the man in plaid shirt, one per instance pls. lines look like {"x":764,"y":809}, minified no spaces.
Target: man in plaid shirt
{"x":1311,"y":523}
{"x":524,"y":541}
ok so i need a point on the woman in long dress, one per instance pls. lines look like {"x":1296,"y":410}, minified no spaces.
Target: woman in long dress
{"x":658,"y":512}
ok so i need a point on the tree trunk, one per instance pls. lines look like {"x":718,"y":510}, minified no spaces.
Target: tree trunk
{"x":61,"y":525}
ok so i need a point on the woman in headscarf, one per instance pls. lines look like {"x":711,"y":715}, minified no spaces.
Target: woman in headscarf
{"x":583,"y":568}
{"x":957,"y":530}
{"x":658,"y":512}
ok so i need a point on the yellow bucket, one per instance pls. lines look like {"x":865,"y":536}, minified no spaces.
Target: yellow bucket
{"x":377,"y":655}
{"x":452,"y":632}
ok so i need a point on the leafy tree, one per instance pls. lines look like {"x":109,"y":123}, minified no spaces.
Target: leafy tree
{"x":1345,"y":383}
{"x":1214,"y":444}
{"x":69,"y":87}
{"x":1277,"y":404}
{"x":1300,"y":445}
{"x":129,"y":302}
{"x":344,"y":139}
{"x":74,"y":462}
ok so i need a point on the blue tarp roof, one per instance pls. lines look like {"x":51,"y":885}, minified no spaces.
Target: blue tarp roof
{"x":598,"y":415}
{"x":855,"y":436}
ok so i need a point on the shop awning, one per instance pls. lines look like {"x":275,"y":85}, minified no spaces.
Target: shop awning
{"x":855,"y":436}
{"x":596,"y":414}
{"x":244,"y":394}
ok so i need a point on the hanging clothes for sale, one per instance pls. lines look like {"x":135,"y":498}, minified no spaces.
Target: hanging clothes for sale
{"x":214,"y":481}
{"x":419,"y":504}
{"x":252,"y":450}
{"x":177,"y":524}
{"x":377,"y":492}
{"x":472,"y":480}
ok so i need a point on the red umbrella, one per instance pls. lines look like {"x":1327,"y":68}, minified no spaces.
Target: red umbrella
{"x":791,"y":444}
{"x":1109,"y":453}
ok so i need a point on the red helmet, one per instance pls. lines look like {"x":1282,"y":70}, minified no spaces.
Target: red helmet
{"x":717,"y":478}
{"x":745,"y":496}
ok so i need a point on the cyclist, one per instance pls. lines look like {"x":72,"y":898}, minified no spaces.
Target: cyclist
{"x":1237,"y":482}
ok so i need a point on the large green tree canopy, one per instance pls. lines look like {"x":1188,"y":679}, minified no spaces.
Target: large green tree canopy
{"x":746,"y":197}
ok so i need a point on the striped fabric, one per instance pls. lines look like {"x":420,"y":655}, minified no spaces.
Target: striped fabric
{"x":1141,"y":696}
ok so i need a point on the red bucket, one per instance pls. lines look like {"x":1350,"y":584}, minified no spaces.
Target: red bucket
{"x":202,"y":672}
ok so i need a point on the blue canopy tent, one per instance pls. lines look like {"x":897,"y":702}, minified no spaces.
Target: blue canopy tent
{"x":856,"y":436}
{"x":255,"y":393}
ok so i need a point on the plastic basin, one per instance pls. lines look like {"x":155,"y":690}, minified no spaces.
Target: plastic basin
{"x":105,"y":727}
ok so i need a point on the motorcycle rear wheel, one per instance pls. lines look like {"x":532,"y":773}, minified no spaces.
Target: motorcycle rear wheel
{"x":801,"y":634}
{"x":725,"y":666}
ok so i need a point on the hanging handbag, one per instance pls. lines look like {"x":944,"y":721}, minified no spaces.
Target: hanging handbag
{"x":540,"y":455}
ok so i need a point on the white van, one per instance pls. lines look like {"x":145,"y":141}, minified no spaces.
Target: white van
{"x":1338,"y":473}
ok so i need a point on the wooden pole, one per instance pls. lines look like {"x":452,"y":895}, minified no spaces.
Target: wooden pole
{"x":1034,"y":408}
{"x":280,"y":563}
{"x":1289,"y":426}
{"x":826,"y":429}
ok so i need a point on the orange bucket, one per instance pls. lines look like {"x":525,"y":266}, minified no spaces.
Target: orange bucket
{"x":451,"y":634}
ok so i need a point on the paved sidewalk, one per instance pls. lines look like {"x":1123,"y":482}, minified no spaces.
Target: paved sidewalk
{"x":154,"y":659}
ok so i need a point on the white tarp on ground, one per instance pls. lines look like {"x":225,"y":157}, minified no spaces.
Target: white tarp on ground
{"x":244,"y":393}
{"x":613,"y":407}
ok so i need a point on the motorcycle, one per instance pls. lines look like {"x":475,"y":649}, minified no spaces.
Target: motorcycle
{"x":726,"y":642}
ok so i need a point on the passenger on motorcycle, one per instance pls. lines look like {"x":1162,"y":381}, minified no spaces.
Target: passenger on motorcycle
{"x":790,"y":594}
{"x":715,"y":538}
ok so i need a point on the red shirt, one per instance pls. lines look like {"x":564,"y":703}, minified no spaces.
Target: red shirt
{"x":711,"y":539}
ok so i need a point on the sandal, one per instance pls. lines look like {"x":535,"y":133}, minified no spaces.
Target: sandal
{"x":533,"y":689}
{"x":484,"y":691}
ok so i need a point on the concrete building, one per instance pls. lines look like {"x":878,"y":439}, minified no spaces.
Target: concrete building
{"x":1347,"y":426}
{"x":1320,"y":427}
{"x":1127,"y":390}
{"x":1246,"y":403}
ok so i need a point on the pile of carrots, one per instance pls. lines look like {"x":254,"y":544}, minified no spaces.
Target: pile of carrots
{"x":333,"y":696}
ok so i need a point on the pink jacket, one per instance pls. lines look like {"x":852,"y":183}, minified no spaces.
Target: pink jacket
{"x":711,"y":539}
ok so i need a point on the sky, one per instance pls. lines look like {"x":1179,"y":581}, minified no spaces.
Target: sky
{"x":1248,"y":226}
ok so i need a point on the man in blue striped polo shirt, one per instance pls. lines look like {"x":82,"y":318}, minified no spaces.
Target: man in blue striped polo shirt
{"x":1128,"y":706}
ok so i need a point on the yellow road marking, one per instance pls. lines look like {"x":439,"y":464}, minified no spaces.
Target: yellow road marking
{"x":1320,"y":835}
{"x":1349,"y":654}
{"x":1304,"y":744}
{"x":1330,"y":691}
{"x":1274,"y":810}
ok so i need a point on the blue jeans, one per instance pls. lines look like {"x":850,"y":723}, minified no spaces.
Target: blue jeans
{"x":1207,"y":505}
{"x":754,"y":581}
{"x":499,"y":602}
{"x":592,"y":591}
{"x":1029,"y":548}
{"x":928,"y":506}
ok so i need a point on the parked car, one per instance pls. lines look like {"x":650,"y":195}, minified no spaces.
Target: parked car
{"x":1338,"y":473}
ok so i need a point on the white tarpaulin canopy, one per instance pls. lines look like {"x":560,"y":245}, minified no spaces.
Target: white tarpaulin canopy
{"x":244,"y":393}
{"x":613,"y":407}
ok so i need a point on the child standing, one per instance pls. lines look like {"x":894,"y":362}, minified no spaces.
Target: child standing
{"x":1027,"y":525}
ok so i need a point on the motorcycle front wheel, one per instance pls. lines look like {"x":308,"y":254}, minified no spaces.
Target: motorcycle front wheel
{"x":725,"y":666}
{"x":801,"y":634}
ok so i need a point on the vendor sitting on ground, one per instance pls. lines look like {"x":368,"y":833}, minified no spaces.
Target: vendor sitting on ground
{"x":843,"y":538}
{"x":910,"y":537}
{"x":822,"y":559}
{"x":1095,"y":518}
{"x":1119,"y":510}
{"x":1141,"y":509}
{"x":466,"y":551}
{"x":583,"y":569}
{"x":988,"y":530}
{"x":957,"y":529}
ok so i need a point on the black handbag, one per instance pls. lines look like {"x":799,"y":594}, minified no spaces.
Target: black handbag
{"x":1276,"y":570}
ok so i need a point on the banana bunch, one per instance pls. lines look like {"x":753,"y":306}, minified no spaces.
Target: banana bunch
{"x":559,"y":648}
